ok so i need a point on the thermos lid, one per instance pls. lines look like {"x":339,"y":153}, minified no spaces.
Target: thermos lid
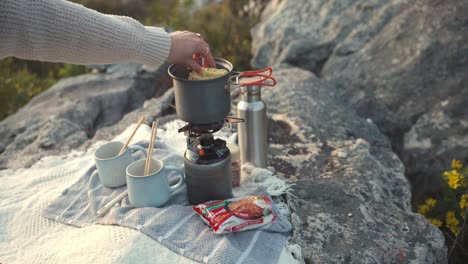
{"x":251,"y":89}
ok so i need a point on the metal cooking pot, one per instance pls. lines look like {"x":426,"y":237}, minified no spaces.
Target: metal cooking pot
{"x":202,"y":101}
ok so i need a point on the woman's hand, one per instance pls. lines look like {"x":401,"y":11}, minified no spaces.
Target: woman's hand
{"x":187,"y":47}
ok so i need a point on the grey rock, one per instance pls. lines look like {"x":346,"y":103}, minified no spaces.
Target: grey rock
{"x":350,"y":201}
{"x":400,"y":78}
{"x":402,"y":73}
{"x":306,"y":33}
{"x":434,"y":140}
{"x":67,"y":115}
{"x":52,"y":135}
{"x":152,"y":109}
{"x":392,"y":61}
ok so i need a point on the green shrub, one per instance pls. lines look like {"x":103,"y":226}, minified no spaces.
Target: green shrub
{"x":449,"y":212}
{"x":17,"y":86}
{"x":18,"y":82}
{"x":224,"y":26}
{"x":69,"y":70}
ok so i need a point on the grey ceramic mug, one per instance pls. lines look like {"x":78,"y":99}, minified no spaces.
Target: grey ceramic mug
{"x":111,"y":166}
{"x":152,"y":190}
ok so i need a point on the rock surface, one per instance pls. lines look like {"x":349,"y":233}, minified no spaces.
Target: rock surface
{"x":67,"y":115}
{"x":392,"y":61}
{"x":351,"y":200}
{"x":435,"y":138}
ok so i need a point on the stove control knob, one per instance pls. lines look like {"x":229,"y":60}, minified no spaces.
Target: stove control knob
{"x":201,"y":152}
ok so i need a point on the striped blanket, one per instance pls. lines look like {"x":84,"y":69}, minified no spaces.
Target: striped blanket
{"x":67,"y":190}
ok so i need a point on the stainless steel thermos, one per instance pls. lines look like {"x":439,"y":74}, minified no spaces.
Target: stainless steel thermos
{"x":253,"y":141}
{"x":253,"y":137}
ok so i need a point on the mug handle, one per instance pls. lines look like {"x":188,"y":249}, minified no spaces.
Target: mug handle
{"x":181,"y":182}
{"x":136,"y":148}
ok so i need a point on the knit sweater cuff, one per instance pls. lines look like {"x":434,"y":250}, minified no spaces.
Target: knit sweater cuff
{"x":156,"y":46}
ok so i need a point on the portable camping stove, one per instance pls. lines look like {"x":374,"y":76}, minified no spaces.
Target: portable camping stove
{"x":207,"y":164}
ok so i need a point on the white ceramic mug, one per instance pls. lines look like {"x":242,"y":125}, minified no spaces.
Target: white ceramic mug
{"x":152,"y":190}
{"x":111,"y":166}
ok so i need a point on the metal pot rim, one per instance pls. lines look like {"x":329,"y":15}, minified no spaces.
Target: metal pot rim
{"x":221,"y":62}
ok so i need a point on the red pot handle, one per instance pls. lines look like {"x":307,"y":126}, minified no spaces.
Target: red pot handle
{"x":252,"y":73}
{"x":265,"y":80}
{"x":260,"y":73}
{"x":262,"y":81}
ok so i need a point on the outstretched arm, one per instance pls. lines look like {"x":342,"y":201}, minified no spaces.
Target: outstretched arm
{"x":62,"y":31}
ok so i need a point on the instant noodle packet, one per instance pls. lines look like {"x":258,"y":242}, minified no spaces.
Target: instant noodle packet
{"x":237,"y":214}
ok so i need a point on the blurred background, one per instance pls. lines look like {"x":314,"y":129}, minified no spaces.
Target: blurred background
{"x":228,"y":34}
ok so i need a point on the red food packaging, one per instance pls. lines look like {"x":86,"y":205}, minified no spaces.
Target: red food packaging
{"x":237,"y":214}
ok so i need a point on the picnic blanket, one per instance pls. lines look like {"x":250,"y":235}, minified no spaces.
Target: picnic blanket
{"x":27,"y":236}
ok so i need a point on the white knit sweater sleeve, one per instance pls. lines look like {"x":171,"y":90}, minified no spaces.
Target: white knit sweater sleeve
{"x":62,"y":31}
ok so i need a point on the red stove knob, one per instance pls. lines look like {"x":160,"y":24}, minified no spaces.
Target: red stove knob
{"x":201,"y":152}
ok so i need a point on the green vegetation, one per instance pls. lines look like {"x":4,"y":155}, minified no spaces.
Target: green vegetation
{"x":225,"y":26}
{"x":19,"y":83}
{"x":449,"y":212}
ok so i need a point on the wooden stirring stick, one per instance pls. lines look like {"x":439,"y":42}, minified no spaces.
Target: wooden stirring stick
{"x":154,"y":130}
{"x":131,"y":136}
{"x":108,"y":206}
